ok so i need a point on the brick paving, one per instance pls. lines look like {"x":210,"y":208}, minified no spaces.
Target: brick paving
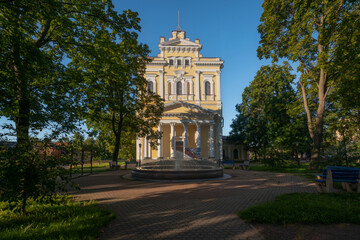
{"x":185,"y":210}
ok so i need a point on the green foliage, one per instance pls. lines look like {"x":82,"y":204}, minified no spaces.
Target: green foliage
{"x":59,"y":219}
{"x":118,"y":104}
{"x":266,"y":122}
{"x":324,"y":38}
{"x":34,"y":174}
{"x":53,"y":56}
{"x":329,"y":208}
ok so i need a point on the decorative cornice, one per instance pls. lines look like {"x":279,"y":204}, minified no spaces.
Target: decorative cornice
{"x":188,"y":115}
{"x":208,"y":63}
{"x":156,"y":63}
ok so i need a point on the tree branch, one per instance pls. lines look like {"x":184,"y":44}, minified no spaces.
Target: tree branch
{"x":307,"y":110}
{"x":41,"y":39}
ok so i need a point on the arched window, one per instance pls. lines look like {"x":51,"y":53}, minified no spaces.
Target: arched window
{"x":236,"y":154}
{"x":188,"y":88}
{"x":169,"y":88}
{"x":150,"y":87}
{"x":207,"y":88}
{"x":178,"y":88}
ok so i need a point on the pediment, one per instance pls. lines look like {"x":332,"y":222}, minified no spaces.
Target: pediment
{"x":184,"y":108}
{"x":179,"y":42}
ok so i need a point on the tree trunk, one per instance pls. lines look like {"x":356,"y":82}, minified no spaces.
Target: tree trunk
{"x":117,"y":138}
{"x":116,"y":148}
{"x":317,"y":139}
{"x":82,"y":159}
{"x":22,"y":91}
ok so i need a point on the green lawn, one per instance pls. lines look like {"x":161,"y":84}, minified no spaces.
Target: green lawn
{"x":65,"y":220}
{"x":329,"y":208}
{"x":302,"y":170}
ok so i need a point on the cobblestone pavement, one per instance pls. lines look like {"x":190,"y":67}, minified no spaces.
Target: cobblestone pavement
{"x":185,"y":210}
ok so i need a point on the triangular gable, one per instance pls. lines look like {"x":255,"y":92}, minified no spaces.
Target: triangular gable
{"x":179,"y":42}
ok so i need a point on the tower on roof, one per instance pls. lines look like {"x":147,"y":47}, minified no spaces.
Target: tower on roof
{"x":178,"y":27}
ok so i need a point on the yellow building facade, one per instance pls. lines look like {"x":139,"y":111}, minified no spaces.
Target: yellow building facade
{"x":190,"y":84}
{"x":234,"y":151}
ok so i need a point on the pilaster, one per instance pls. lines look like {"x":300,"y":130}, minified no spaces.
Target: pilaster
{"x":197,"y":86}
{"x":172,"y":138}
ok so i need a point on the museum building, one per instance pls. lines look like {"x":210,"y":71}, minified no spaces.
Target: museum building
{"x":190,"y":84}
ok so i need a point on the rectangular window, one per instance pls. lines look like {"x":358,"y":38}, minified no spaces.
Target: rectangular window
{"x":171,"y":62}
{"x":179,"y":62}
{"x":186,"y":62}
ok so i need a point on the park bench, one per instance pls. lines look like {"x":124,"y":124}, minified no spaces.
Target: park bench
{"x":345,"y":175}
{"x":228,"y":162}
{"x":245,"y":165}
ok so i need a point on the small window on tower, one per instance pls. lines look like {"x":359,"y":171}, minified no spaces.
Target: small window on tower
{"x":171,"y":62}
{"x":150,"y":87}
{"x":179,"y":62}
{"x":207,"y":88}
{"x":178,"y":88}
{"x":187,"y":62}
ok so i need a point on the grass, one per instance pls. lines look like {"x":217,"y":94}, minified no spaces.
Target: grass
{"x":305,"y":208}
{"x":64,"y":220}
{"x":302,"y":170}
{"x":97,"y":167}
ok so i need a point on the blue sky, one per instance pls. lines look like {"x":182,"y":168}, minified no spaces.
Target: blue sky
{"x":227,"y":29}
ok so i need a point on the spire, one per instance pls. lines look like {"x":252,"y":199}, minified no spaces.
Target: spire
{"x":178,"y":27}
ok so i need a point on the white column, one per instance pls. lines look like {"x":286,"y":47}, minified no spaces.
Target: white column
{"x":197,"y":85}
{"x":198,"y":137}
{"x":212,"y":87}
{"x":161,"y":83}
{"x":146,"y":151}
{"x":172,"y":139}
{"x":140,"y":151}
{"x":218,"y":90}
{"x":183,"y":87}
{"x":160,"y":142}
{"x":185,"y":136}
{"x":173,"y":87}
{"x":219,"y":128}
{"x":211,"y":141}
{"x":137,"y":149}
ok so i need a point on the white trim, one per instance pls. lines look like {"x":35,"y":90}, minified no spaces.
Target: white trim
{"x":153,"y":69}
{"x":152,"y":78}
{"x":203,"y":121}
{"x":161,"y":83}
{"x":207,"y":70}
{"x":218,"y":85}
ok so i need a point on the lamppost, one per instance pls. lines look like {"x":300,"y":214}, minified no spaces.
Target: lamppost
{"x":139,"y":155}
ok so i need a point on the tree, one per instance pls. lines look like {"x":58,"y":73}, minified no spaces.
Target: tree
{"x":40,"y":43}
{"x":264,"y":122}
{"x":117,"y":98}
{"x":324,"y":38}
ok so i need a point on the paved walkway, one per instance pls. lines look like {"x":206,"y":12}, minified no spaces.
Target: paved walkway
{"x":186,"y":210}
